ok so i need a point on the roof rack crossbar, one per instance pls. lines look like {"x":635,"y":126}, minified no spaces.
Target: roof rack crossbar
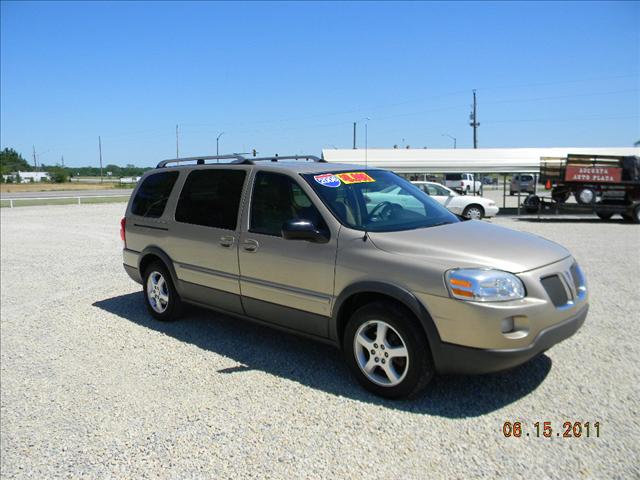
{"x":277,"y":158}
{"x":202,"y":160}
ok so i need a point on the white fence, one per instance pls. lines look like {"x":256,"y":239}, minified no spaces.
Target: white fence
{"x":53,"y":200}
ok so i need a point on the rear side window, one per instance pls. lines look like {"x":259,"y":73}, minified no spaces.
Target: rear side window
{"x":152,"y":196}
{"x":211,"y":198}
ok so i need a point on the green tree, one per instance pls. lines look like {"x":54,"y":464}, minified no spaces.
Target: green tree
{"x":57,"y":174}
{"x":12,"y":161}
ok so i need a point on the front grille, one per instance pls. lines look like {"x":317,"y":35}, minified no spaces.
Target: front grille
{"x":555,"y":289}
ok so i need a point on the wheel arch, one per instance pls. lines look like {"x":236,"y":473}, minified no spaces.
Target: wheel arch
{"x":150,"y":254}
{"x":467,"y":207}
{"x":361,"y":293}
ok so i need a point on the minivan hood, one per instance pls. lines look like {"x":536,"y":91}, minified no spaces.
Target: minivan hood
{"x":473,"y":243}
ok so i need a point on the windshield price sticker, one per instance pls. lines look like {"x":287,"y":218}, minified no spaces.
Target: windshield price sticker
{"x":327,"y":180}
{"x":355,"y":177}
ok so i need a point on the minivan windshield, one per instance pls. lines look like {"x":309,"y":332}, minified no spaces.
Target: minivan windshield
{"x":377,"y":201}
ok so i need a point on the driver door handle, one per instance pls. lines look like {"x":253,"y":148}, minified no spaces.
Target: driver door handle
{"x":250,"y":245}
{"x":227,"y":241}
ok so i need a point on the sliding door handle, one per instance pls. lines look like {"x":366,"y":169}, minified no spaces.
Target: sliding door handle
{"x":250,"y":245}
{"x":227,"y":241}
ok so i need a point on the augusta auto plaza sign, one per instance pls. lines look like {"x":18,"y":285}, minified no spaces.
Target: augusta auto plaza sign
{"x":576,"y":173}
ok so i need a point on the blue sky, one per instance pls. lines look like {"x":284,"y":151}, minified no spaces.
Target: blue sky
{"x":292,"y":77}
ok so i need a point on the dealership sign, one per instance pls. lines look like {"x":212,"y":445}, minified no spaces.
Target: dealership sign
{"x":576,"y":173}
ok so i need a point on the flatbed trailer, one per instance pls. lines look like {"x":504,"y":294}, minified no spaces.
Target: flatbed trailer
{"x":603,"y":185}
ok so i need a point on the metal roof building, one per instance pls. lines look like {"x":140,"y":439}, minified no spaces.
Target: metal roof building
{"x":481,"y":160}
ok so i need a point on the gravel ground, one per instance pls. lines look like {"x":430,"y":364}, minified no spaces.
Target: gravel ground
{"x":92,"y":387}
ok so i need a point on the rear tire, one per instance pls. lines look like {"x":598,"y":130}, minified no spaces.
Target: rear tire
{"x":532,"y":203}
{"x":160,"y":295}
{"x":387,"y":351}
{"x":634,"y":217}
{"x":604,"y":216}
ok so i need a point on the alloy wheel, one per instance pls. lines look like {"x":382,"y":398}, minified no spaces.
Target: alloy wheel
{"x":381,"y":353}
{"x":157,"y":292}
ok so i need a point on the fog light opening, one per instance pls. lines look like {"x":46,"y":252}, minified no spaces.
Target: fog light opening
{"x":506,"y":326}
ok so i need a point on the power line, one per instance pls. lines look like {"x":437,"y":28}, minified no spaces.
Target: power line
{"x":573,"y":119}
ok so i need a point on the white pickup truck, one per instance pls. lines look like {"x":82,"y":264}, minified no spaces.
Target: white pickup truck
{"x":462,"y":182}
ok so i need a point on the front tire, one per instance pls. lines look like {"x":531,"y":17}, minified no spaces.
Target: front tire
{"x":585,"y":196}
{"x":160,"y":295}
{"x":473,"y":212}
{"x":387,"y":351}
{"x":604,"y":216}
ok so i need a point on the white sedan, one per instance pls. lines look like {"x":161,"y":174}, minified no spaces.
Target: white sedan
{"x":465,"y":205}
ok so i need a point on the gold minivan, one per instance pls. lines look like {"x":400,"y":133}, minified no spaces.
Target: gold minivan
{"x":405,"y":288}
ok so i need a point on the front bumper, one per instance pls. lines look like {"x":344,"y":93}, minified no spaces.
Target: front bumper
{"x":468,"y":360}
{"x":491,"y":210}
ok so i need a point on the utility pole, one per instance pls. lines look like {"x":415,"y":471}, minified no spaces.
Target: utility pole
{"x":177,"y":154}
{"x":366,"y":142}
{"x":455,"y":140}
{"x":62,"y":160}
{"x":354,"y":135}
{"x":218,"y":144}
{"x":474,"y":121}
{"x":100,"y":152}
{"x":35,"y":163}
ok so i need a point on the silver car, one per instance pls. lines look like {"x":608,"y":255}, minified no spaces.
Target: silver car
{"x":405,"y":288}
{"x":523,"y":183}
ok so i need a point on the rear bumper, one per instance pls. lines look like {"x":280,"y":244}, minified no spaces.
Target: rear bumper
{"x":130,"y":263}
{"x":467,"y":360}
{"x":133,"y":273}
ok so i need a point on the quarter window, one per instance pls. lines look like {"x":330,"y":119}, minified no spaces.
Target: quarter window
{"x":152,"y":196}
{"x":211,"y":198}
{"x":277,"y":198}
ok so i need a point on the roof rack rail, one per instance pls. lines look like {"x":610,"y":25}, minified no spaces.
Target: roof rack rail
{"x":202,"y":160}
{"x":277,"y":158}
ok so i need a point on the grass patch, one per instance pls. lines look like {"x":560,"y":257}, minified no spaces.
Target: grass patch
{"x":28,"y":202}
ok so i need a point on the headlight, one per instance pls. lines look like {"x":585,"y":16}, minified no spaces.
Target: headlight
{"x":480,"y":285}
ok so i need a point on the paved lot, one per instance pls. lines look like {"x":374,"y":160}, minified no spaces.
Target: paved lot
{"x":92,"y":387}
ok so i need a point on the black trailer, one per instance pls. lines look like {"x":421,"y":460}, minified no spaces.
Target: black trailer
{"x":602,"y":184}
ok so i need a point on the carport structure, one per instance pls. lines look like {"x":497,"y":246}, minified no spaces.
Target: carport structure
{"x":501,"y":161}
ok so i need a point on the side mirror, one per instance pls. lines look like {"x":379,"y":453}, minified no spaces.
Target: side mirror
{"x":301,"y":229}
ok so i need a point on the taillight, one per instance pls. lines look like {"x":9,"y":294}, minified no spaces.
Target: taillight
{"x":123,"y":232}
{"x":462,"y":184}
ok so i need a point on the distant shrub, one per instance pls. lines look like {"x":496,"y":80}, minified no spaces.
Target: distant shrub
{"x":58,"y":175}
